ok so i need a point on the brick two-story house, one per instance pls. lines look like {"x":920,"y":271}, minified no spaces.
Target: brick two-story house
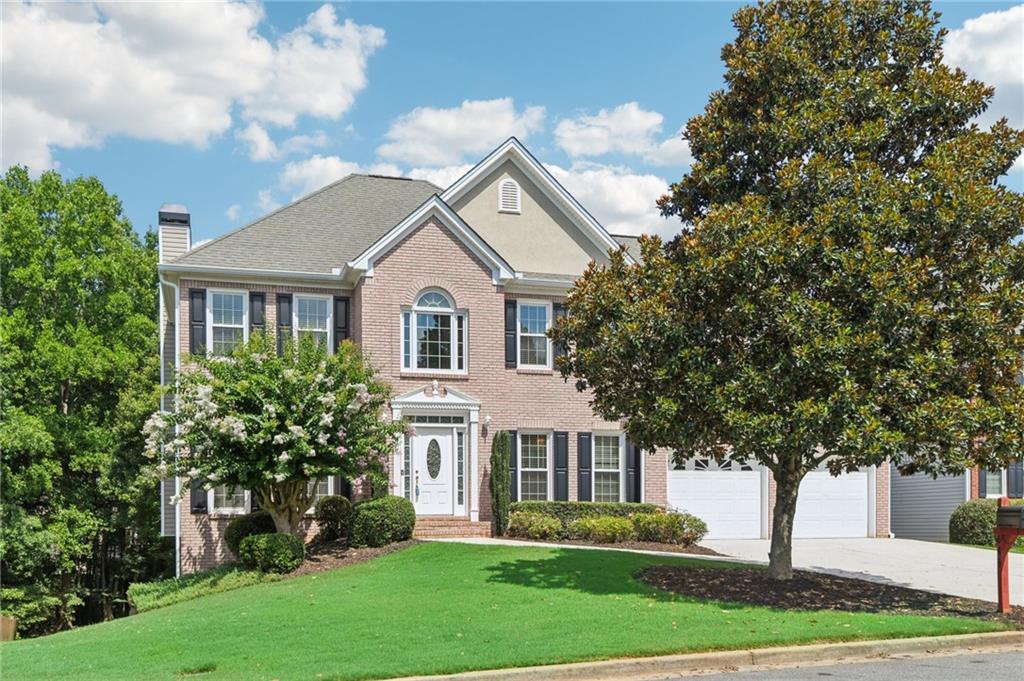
{"x":450,"y":291}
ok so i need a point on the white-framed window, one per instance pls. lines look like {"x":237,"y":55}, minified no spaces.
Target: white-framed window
{"x":534,"y":466}
{"x":995,"y":483}
{"x":609,"y":464}
{"x":534,"y":320}
{"x":312,"y":316}
{"x":434,"y":335}
{"x":320,"y":489}
{"x":228,"y":500}
{"x":509,"y":196}
{"x":227,"y":320}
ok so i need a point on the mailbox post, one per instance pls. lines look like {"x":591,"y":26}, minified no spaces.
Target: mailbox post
{"x":1009,"y":526}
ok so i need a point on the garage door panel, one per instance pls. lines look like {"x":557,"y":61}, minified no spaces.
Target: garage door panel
{"x":728,"y":501}
{"x":829,"y":506}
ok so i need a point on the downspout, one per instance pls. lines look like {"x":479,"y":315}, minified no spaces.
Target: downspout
{"x":177,"y":368}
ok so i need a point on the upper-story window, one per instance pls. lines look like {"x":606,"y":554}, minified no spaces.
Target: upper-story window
{"x":313,"y":318}
{"x":509,"y":196}
{"x":434,"y":335}
{"x":534,"y":344}
{"x":226,"y":321}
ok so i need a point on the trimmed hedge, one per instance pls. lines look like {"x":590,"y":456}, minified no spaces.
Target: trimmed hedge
{"x":382,"y":521}
{"x":669,"y":528}
{"x":566,"y":512}
{"x":528,"y":525}
{"x":333,"y":517}
{"x":972,"y":522}
{"x":606,"y":529}
{"x":280,"y":552}
{"x":257,"y":522}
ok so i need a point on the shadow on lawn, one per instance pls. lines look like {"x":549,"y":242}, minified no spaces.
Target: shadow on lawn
{"x":594,"y":572}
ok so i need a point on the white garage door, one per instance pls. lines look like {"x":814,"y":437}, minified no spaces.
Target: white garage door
{"x":727,"y":498}
{"x":830,"y":506}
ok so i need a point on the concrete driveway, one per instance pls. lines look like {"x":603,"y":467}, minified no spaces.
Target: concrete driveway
{"x":946,"y":568}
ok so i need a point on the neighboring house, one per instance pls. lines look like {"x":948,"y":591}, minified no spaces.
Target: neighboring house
{"x":451,"y":293}
{"x":921,"y":505}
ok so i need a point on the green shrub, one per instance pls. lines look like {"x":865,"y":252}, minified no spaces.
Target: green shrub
{"x":152,"y":595}
{"x":604,"y":529}
{"x":382,"y":521}
{"x":334,"y":517}
{"x":280,"y":552}
{"x":257,"y":522}
{"x":568,"y":511}
{"x":499,"y":483}
{"x":972,"y":522}
{"x":533,"y":525}
{"x":669,"y":528}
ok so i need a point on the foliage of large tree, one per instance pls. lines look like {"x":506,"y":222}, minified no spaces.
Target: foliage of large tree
{"x":79,"y":374}
{"x":848,"y":286}
{"x":273,"y":424}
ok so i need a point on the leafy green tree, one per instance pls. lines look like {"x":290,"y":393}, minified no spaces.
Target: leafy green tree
{"x":79,"y":375}
{"x":274,"y":424}
{"x":848,"y":286}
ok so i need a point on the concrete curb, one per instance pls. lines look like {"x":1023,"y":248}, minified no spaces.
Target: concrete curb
{"x":737,"y":660}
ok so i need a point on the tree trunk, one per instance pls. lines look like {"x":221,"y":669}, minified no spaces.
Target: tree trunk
{"x":780,"y":557}
{"x":286,"y":503}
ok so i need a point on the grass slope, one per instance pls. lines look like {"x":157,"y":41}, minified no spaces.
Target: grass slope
{"x":435,"y":608}
{"x":164,"y":592}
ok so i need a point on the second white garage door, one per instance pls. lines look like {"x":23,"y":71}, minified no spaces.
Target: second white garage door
{"x":727,"y":499}
{"x":832,"y":506}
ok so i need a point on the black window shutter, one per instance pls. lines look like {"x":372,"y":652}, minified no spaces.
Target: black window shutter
{"x":254,"y":504}
{"x":558,"y":311}
{"x":561,"y":466}
{"x":257,"y":312}
{"x":511,"y":358}
{"x":1015,"y":480}
{"x":197,"y":321}
{"x":513,"y":465}
{"x":583,"y":442}
{"x":981,"y":483}
{"x":197,"y":496}
{"x":342,"y":487}
{"x":632,"y":472}
{"x":284,"y":320}
{"x":341,"y":320}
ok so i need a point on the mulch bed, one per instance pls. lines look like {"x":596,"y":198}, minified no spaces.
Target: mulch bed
{"x":632,"y":546}
{"x":816,"y":591}
{"x":322,"y":556}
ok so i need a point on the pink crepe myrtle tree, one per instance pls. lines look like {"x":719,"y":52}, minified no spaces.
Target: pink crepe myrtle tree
{"x":275,"y":424}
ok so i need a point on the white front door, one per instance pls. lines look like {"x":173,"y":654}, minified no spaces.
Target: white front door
{"x":432,"y":471}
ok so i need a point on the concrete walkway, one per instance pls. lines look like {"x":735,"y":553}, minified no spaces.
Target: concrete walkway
{"x":965,"y":571}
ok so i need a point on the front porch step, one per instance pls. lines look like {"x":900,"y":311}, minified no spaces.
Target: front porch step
{"x":428,"y":527}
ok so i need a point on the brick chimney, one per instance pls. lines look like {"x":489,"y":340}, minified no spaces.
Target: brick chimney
{"x":175,"y":231}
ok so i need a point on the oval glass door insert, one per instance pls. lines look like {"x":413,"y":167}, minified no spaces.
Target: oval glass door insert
{"x":433,"y":459}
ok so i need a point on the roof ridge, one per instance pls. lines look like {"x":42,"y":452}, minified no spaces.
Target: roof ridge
{"x":262,"y":218}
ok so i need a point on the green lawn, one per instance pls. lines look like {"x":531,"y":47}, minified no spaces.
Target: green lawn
{"x":435,"y":608}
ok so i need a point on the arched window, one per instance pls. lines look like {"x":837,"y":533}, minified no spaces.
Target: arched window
{"x":508,"y":196}
{"x":433,"y":334}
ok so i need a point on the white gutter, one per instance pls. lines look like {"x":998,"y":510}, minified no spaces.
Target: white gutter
{"x":247,"y":272}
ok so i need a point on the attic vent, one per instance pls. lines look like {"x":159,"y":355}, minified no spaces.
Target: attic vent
{"x":508,"y":197}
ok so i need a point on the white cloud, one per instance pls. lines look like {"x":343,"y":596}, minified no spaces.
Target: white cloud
{"x":260,"y":147}
{"x":990,"y":48}
{"x":621,"y":199}
{"x":442,"y":177}
{"x":171,"y":72}
{"x":201,"y":242}
{"x":233,"y":211}
{"x":431,"y":137}
{"x":626,"y":129}
{"x":318,"y":171}
{"x":266,"y":202}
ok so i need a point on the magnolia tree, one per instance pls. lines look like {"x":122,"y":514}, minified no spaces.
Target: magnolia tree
{"x":274,"y":424}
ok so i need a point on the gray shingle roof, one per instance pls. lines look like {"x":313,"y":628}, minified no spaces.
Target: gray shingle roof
{"x":320,"y":231}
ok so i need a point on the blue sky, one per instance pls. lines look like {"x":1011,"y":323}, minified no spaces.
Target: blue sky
{"x":234,"y":110}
